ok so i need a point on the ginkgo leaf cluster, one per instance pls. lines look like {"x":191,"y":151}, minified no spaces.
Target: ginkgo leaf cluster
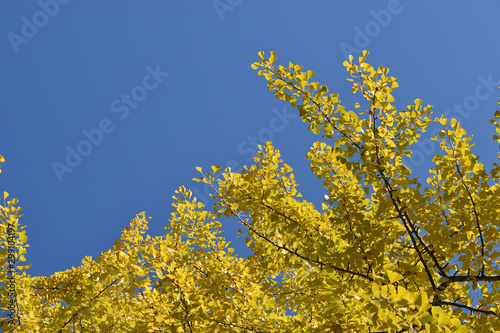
{"x":385,"y":252}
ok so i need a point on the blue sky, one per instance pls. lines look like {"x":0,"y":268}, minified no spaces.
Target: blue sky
{"x":107,"y":108}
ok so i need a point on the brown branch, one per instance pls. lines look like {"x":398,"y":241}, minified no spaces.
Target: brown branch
{"x":478,"y":226}
{"x":476,"y":278}
{"x":439,"y":302}
{"x":185,"y":306}
{"x":412,"y":237}
{"x":280,"y":213}
{"x":320,"y":109}
{"x":90,"y":301}
{"x":468,"y":278}
{"x":403,"y":215}
{"x":431,"y":254}
{"x":280,"y":247}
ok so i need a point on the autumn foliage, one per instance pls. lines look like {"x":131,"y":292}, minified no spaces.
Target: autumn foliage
{"x":385,"y":252}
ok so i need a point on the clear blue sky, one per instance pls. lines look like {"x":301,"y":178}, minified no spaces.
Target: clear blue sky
{"x":138,"y":93}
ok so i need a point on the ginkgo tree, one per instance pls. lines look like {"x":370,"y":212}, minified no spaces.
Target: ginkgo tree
{"x":383,"y":253}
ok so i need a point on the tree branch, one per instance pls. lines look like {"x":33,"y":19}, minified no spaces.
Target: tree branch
{"x":320,"y":109}
{"x":288,"y":250}
{"x":478,"y":226}
{"x":438,"y":302}
{"x":80,"y":309}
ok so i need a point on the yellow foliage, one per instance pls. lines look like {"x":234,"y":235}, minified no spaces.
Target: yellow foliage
{"x":382,"y":255}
